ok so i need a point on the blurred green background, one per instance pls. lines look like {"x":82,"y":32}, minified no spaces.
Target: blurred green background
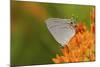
{"x":31,"y":43}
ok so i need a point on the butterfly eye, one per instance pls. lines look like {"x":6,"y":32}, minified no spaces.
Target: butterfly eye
{"x":71,"y":22}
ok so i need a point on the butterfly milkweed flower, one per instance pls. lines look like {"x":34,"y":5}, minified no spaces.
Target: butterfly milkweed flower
{"x":81,"y":47}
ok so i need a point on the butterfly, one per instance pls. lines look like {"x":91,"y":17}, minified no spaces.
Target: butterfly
{"x":61,"y":29}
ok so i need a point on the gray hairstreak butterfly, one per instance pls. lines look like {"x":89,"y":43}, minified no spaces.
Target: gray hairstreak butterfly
{"x":61,"y":29}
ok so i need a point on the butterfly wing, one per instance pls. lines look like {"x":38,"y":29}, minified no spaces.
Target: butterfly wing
{"x":60,"y":29}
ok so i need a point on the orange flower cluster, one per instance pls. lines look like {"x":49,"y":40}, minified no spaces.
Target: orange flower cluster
{"x":80,"y":48}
